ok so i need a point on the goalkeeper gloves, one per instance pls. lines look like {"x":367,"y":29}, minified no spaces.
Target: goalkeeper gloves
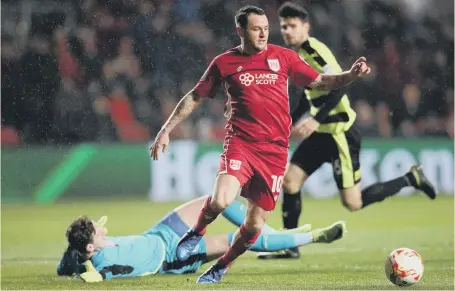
{"x":102,"y":222}
{"x":91,"y":275}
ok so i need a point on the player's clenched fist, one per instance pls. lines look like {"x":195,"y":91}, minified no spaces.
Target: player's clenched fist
{"x":305,"y":128}
{"x":360,"y":67}
{"x":161,"y":142}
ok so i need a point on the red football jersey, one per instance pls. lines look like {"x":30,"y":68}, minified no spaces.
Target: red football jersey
{"x":256,"y":90}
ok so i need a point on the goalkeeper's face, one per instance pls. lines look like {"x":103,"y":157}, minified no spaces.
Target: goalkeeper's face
{"x":98,"y":237}
{"x":256,"y":33}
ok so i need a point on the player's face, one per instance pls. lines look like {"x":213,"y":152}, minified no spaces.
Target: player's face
{"x":98,"y":238}
{"x":257,"y":32}
{"x":294,"y":31}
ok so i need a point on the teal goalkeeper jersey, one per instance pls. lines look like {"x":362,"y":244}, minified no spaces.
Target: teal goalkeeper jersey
{"x":130,"y":256}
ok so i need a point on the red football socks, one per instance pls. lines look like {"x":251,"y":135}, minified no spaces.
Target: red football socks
{"x":239,"y":246}
{"x":206,"y":216}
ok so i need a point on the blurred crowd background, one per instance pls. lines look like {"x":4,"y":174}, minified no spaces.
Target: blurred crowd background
{"x":113,"y":70}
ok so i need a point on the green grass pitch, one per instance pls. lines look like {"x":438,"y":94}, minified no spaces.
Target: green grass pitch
{"x":33,"y":240}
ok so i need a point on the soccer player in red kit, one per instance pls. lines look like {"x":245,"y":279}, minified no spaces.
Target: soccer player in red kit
{"x":254,"y":77}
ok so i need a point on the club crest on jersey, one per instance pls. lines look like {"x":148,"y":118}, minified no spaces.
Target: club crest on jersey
{"x":274,"y":65}
{"x":235,"y":164}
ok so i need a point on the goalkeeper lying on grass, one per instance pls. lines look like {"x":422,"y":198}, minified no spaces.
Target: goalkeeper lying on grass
{"x":95,"y":257}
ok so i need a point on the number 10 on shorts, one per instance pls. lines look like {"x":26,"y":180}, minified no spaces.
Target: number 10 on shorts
{"x":277,"y":183}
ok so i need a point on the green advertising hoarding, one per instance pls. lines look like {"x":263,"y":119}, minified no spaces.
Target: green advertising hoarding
{"x":188,"y":170}
{"x":86,"y":171}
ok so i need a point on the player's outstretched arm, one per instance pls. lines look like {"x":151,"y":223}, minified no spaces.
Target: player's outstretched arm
{"x":327,"y":82}
{"x":91,"y":275}
{"x":184,"y":108}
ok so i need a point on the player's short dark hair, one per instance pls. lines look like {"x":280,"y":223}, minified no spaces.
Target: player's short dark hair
{"x":290,"y":9}
{"x":80,"y":234}
{"x":241,"y":17}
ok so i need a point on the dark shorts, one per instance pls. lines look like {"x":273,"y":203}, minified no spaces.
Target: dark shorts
{"x":342,"y":150}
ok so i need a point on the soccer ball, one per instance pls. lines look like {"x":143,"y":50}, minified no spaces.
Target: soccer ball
{"x":404,"y":267}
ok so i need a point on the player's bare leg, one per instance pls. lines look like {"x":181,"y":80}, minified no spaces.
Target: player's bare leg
{"x":244,"y":237}
{"x":294,"y":178}
{"x":187,"y":212}
{"x":225,"y":191}
{"x":355,"y":199}
{"x":351,"y":198}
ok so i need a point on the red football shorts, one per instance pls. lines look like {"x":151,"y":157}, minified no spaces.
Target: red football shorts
{"x":259,"y":167}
